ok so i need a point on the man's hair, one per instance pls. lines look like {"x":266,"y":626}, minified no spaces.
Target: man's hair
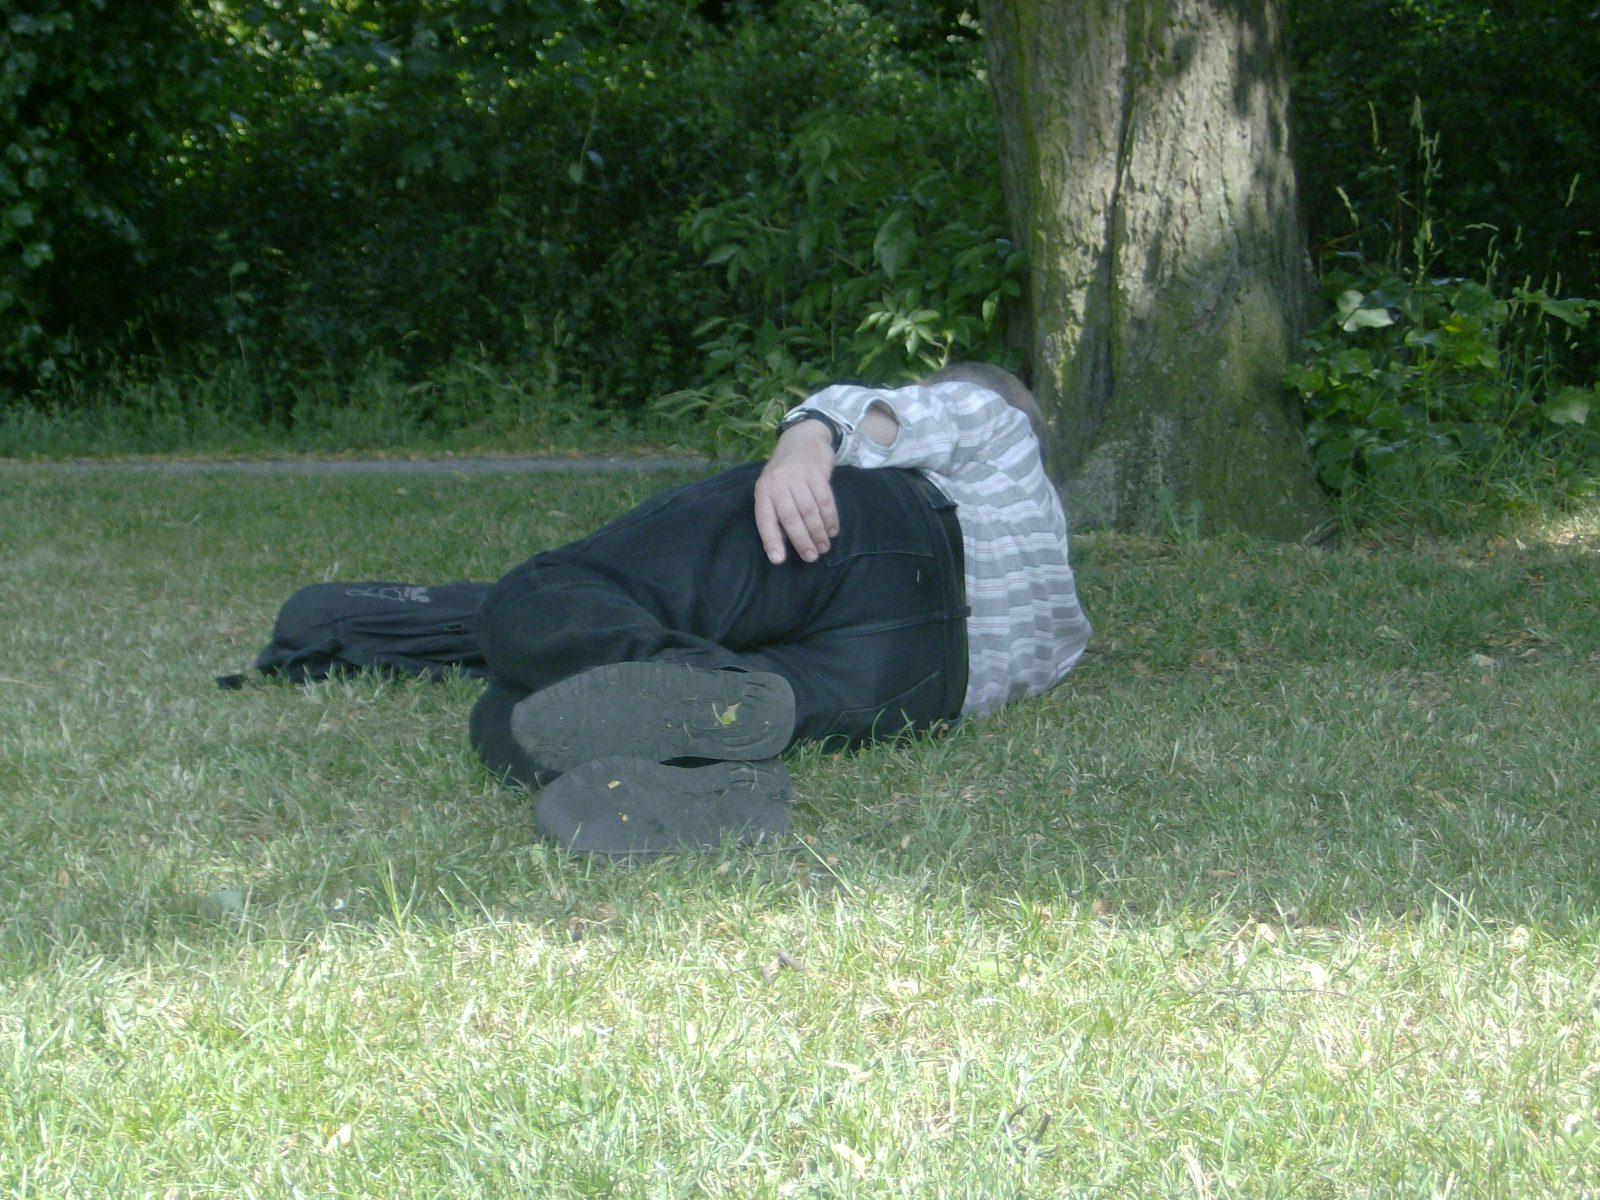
{"x":1010,"y":389}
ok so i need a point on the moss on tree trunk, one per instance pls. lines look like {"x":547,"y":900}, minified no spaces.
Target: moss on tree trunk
{"x":1148,"y":171}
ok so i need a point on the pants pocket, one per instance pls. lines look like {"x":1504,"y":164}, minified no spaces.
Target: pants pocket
{"x":918,"y":707}
{"x":877,"y":516}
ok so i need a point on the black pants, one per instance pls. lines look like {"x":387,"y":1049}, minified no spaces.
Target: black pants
{"x":871,"y":636}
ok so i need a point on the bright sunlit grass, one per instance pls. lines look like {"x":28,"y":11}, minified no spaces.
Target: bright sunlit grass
{"x":1292,"y":890}
{"x":1579,"y":527}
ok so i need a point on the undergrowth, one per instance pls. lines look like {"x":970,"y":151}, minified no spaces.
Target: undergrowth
{"x":1438,"y":399}
{"x":232,"y":407}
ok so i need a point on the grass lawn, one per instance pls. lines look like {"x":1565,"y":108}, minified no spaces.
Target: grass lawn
{"x":1292,"y":890}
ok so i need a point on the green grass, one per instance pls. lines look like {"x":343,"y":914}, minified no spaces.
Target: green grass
{"x":1292,"y":890}
{"x":226,"y":408}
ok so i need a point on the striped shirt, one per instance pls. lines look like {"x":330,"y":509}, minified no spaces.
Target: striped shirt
{"x":1026,"y":629}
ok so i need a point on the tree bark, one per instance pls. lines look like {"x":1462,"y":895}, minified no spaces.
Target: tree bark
{"x":1145,"y":151}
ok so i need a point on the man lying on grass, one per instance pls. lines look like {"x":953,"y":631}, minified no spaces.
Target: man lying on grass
{"x":906,"y":565}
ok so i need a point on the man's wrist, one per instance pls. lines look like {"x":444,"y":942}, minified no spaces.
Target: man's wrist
{"x":804,"y":416}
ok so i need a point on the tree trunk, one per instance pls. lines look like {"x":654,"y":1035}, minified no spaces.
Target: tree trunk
{"x":1145,"y":151}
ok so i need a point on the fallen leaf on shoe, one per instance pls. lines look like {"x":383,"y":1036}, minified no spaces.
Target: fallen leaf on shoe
{"x":730,"y":714}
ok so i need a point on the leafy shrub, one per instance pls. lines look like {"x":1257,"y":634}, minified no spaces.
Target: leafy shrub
{"x":327,"y":184}
{"x":879,"y":253}
{"x":1441,"y":376}
{"x":94,"y":99}
{"x":1505,"y":89}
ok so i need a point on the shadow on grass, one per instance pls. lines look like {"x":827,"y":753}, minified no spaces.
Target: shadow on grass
{"x":1270,"y":733}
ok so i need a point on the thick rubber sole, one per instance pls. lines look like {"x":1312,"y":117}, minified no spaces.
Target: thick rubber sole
{"x":656,"y":710}
{"x":622,"y":807}
{"x":489,"y":733}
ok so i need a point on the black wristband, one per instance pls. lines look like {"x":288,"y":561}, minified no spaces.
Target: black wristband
{"x":807,"y":414}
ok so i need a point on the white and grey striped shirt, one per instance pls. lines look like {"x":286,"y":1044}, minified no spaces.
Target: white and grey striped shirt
{"x":1026,"y":629}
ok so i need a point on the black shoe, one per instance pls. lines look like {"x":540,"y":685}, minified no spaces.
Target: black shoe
{"x":656,"y":710}
{"x":489,"y":731}
{"x":634,"y":807}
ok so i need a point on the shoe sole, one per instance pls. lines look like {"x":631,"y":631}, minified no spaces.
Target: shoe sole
{"x":621,"y":807}
{"x":656,"y":710}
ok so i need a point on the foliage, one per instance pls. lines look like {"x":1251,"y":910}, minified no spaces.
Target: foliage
{"x":1431,"y":393}
{"x":98,"y":102}
{"x":413,"y":180}
{"x":344,"y":181}
{"x":1505,"y":89}
{"x":293,"y":205}
{"x":1413,"y":374}
{"x":880,"y":253}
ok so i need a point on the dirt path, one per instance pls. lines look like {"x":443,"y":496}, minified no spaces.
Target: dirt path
{"x":493,"y":465}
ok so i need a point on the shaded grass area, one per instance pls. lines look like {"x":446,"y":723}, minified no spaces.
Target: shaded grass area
{"x":229,"y":410}
{"x":1290,"y":890}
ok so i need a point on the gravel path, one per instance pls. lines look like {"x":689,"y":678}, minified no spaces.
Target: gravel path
{"x":360,"y":466}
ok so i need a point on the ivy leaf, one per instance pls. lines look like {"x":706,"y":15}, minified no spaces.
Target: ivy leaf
{"x":1569,"y":406}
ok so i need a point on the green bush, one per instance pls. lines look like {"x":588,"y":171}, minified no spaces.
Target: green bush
{"x":407,"y":182}
{"x":413,"y":181}
{"x":1507,"y":91}
{"x":1443,"y":379}
{"x":879,"y":253}
{"x":1417,"y":381}
{"x":95,"y":99}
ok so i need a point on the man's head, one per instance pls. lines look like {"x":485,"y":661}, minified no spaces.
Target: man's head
{"x":1010,"y":389}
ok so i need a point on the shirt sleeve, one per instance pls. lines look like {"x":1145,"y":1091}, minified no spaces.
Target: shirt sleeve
{"x":941,"y":425}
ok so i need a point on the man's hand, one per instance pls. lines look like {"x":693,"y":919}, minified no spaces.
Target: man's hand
{"x":794,"y":500}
